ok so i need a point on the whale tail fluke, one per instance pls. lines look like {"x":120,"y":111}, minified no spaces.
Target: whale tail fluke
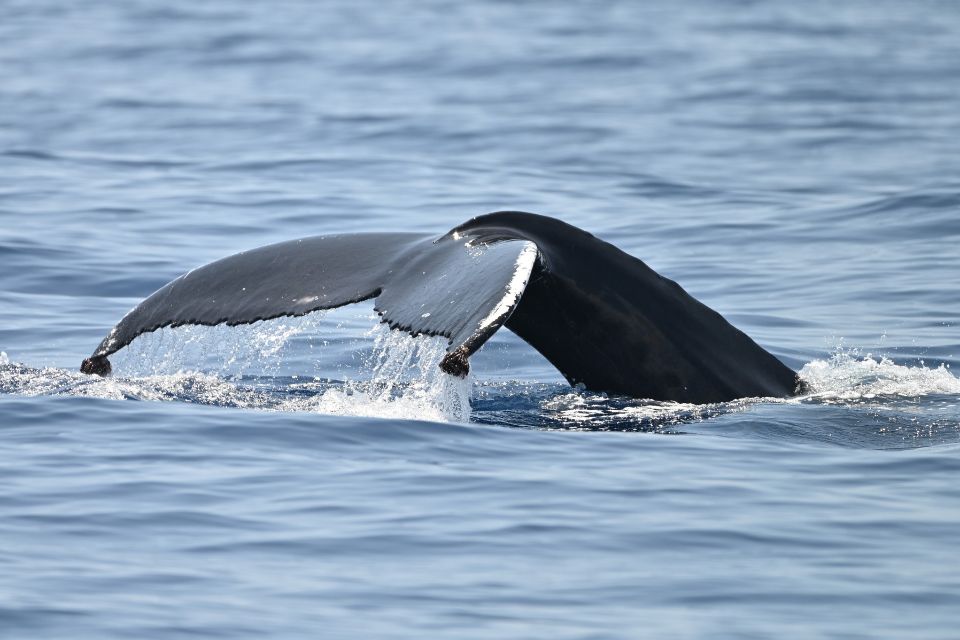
{"x":423,"y":285}
{"x":601,"y":316}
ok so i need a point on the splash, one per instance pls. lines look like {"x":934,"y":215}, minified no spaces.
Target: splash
{"x":405,"y":382}
{"x":199,"y":388}
{"x":398,"y":378}
{"x":847,"y":377}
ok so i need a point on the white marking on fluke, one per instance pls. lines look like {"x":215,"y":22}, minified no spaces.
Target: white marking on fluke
{"x":521,"y":274}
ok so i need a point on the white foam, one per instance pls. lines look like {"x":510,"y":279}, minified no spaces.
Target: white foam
{"x":4,"y":358}
{"x":189,"y":386}
{"x":580,"y":409}
{"x":846,"y":376}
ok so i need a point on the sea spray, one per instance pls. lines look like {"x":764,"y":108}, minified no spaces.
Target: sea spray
{"x":847,"y":377}
{"x":400,"y":377}
{"x":405,"y":381}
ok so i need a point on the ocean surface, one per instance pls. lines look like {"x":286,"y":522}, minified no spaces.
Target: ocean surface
{"x":794,"y":165}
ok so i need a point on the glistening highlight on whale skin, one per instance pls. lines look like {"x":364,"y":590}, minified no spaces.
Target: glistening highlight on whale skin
{"x":602,"y":317}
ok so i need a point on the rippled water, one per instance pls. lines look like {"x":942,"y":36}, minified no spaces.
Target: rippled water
{"x":792,"y":165}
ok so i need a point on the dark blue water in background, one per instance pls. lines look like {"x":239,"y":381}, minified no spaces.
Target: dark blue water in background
{"x":796,"y":166}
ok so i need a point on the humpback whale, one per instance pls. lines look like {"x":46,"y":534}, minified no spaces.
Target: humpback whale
{"x":602,"y":317}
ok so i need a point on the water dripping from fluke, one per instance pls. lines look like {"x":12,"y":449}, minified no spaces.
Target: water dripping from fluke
{"x":405,"y":382}
{"x":245,"y":366}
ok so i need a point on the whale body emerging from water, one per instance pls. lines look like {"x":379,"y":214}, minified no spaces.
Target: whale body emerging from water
{"x":603,"y":318}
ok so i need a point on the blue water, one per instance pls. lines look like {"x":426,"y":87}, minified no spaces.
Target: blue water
{"x":793,"y":165}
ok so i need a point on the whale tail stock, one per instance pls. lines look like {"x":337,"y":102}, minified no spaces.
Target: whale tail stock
{"x":601,"y":316}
